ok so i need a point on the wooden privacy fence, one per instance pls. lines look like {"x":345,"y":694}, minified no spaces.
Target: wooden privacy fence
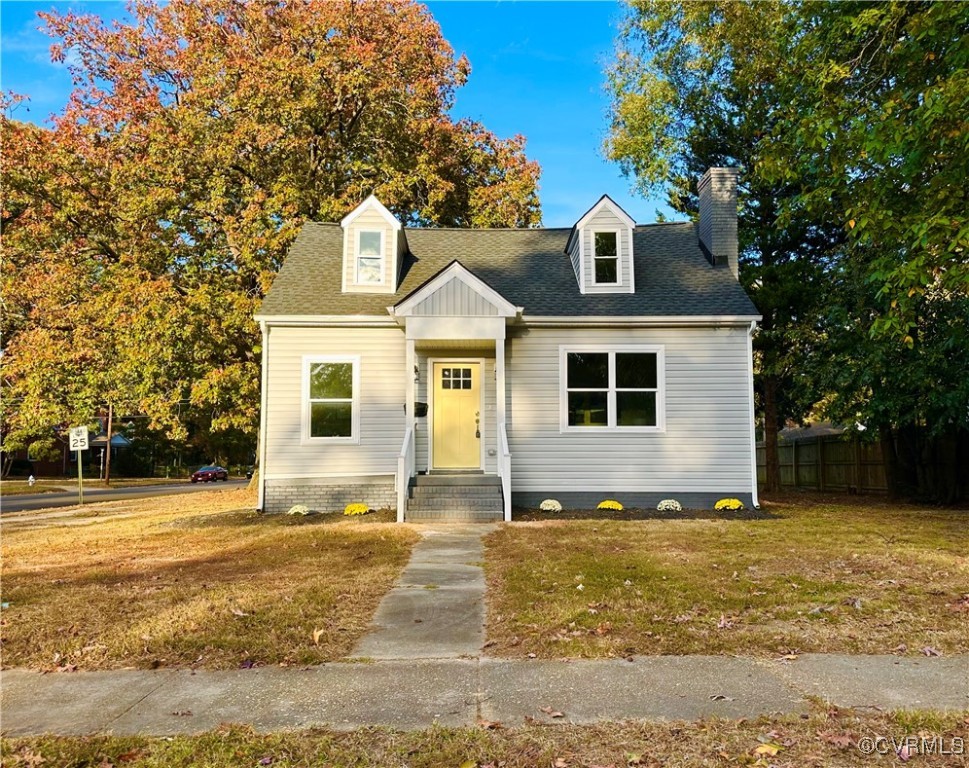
{"x":828,"y":463}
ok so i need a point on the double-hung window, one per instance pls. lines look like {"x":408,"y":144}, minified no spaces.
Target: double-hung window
{"x":370,"y":257}
{"x":605,"y":258}
{"x":612,"y":388}
{"x":331,"y":399}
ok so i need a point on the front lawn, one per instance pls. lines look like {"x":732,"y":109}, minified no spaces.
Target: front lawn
{"x":196,"y":579}
{"x":839,"y":576}
{"x":826,"y":737}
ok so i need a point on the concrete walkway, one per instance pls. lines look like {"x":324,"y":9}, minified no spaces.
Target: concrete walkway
{"x":414,"y":694}
{"x":436,"y":609}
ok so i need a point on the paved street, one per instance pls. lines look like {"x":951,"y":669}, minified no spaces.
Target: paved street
{"x":27,"y":502}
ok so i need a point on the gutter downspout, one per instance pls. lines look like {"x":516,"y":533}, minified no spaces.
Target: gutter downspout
{"x":261,"y":502}
{"x":753,"y":428}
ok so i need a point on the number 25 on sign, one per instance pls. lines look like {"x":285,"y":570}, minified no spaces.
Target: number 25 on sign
{"x":78,"y":442}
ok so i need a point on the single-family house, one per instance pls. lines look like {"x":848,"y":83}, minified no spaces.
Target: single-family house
{"x":443,"y":371}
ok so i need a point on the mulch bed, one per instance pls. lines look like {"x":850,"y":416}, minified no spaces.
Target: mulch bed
{"x":531,"y":515}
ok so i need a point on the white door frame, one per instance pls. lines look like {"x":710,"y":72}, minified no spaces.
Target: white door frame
{"x":432,"y":386}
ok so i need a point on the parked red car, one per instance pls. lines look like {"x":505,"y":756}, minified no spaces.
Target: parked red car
{"x":213,"y":473}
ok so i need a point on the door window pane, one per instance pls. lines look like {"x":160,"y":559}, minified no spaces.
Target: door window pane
{"x":588,"y":370}
{"x":635,"y":371}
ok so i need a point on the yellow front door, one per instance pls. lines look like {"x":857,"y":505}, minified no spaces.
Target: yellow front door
{"x":457,"y":414}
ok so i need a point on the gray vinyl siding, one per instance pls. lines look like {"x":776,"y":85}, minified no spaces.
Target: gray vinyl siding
{"x":490,"y":421}
{"x":706,"y":445}
{"x":382,"y":387}
{"x":370,"y":220}
{"x":457,"y":299}
{"x":607,"y":220}
{"x":575,"y":257}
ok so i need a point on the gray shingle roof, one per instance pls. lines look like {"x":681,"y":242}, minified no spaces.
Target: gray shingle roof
{"x":527,"y":266}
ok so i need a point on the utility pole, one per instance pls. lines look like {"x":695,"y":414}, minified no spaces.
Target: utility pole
{"x":107,"y":463}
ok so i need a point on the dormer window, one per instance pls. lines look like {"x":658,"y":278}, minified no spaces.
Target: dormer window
{"x":370,"y":258}
{"x":374,"y":246}
{"x":605,"y":255}
{"x":600,"y":247}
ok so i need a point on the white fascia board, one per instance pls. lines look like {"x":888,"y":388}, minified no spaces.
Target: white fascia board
{"x":639,"y":320}
{"x":375,"y":204}
{"x":457,"y":272}
{"x":606,"y":202}
{"x":324,"y":320}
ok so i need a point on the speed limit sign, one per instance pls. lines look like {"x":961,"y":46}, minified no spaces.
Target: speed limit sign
{"x":79,"y":438}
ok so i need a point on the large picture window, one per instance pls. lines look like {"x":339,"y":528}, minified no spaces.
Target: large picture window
{"x":331,"y":398}
{"x":605,"y":258}
{"x":612,"y":388}
{"x":370,"y":257}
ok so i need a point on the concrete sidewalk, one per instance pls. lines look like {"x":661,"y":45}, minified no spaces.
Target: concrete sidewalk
{"x":414,"y":694}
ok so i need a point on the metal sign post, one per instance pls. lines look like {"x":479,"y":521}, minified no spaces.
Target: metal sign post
{"x":79,"y":443}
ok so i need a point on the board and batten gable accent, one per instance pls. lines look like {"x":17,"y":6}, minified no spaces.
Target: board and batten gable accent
{"x":704,"y":448}
{"x":381,"y":353}
{"x":372,"y":216}
{"x":456,"y":299}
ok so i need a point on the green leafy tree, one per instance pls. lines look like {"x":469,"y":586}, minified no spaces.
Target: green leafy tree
{"x":881,"y":108}
{"x":144,"y":226}
{"x":694,"y":86}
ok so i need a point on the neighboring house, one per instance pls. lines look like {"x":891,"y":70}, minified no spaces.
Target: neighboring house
{"x":434,"y":370}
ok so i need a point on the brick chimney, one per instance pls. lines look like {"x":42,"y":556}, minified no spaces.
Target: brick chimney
{"x":718,"y":217}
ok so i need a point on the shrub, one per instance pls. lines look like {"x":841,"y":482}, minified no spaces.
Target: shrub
{"x":610,"y":504}
{"x":728,"y":504}
{"x":299,"y":509}
{"x":356,"y":509}
{"x":550,"y":505}
{"x":669,"y":505}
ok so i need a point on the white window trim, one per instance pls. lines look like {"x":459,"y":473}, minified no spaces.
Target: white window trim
{"x":592,"y":240}
{"x":383,"y":257}
{"x":308,"y":362}
{"x":658,"y":350}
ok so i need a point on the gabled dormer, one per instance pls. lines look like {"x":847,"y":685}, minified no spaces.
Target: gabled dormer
{"x":374,"y":245}
{"x":600,"y":246}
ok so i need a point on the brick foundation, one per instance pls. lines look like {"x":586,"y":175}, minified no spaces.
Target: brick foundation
{"x":283,"y":494}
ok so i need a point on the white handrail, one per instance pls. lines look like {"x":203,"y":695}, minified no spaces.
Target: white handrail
{"x":504,"y":469}
{"x":405,"y":471}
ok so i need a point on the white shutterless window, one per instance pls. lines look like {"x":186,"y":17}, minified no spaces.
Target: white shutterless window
{"x":331,"y":399}
{"x":370,"y":257}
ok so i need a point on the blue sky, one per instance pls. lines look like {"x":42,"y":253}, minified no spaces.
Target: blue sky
{"x":537,"y":69}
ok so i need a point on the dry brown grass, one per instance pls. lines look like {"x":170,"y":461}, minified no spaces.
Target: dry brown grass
{"x":196,"y":579}
{"x":860,"y":577}
{"x":825,"y":738}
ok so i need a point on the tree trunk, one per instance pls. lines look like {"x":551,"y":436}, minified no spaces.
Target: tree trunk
{"x":772,"y":479}
{"x":889,"y":461}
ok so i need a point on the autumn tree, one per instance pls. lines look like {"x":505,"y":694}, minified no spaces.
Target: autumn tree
{"x":142,"y":228}
{"x":694,"y":86}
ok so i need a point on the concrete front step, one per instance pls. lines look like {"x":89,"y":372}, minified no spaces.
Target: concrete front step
{"x":457,"y":480}
{"x":433,"y":491}
{"x":451,"y":515}
{"x":458,"y":505}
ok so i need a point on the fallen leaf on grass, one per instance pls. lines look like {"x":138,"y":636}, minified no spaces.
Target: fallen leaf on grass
{"x":560,"y":762}
{"x":469,"y":764}
{"x":788,"y":657}
{"x":267,"y":761}
{"x":551,"y":712}
{"x":724,"y":622}
{"x":237,"y":612}
{"x":604,"y":628}
{"x":839,"y":740}
{"x":929,"y":651}
{"x":317,"y":634}
{"x":768,"y":750}
{"x":489,"y":725}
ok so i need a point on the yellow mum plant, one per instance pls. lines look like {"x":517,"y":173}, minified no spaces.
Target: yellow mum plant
{"x":610,"y":504}
{"x":728,"y":504}
{"x":356,"y":509}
